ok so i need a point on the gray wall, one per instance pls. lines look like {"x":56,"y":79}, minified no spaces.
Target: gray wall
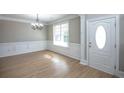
{"x":11,"y":31}
{"x":50,"y":32}
{"x":121,"y":55}
{"x":74,"y":31}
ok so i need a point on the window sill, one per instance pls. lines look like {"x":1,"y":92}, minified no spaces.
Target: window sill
{"x":61,"y":46}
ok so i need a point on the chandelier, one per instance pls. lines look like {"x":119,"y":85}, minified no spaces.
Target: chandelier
{"x":37,"y":25}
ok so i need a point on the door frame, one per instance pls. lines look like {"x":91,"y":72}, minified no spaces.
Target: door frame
{"x":117,"y":21}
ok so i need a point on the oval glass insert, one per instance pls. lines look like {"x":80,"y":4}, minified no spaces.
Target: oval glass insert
{"x":100,"y":37}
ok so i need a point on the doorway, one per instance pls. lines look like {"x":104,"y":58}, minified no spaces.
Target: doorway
{"x":102,"y":44}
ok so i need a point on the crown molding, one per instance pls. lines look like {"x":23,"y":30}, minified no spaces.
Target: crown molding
{"x":82,"y":14}
{"x":17,"y":20}
{"x":66,"y":18}
{"x":29,"y":21}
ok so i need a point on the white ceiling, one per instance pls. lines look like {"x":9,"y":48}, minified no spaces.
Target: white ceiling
{"x":44,"y":18}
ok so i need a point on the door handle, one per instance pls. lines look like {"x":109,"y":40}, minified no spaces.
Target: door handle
{"x":90,"y":44}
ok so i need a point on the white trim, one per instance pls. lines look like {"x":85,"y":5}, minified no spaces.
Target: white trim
{"x":120,"y":74}
{"x":102,"y":18}
{"x":83,"y":40}
{"x":14,"y":19}
{"x":59,"y":23}
{"x":83,"y":62}
{"x":117,"y":42}
{"x":72,"y":51}
{"x":117,"y":37}
{"x":60,"y":43}
{"x":30,"y":21}
{"x":63,"y":19}
{"x":16,"y":48}
{"x":17,"y":20}
{"x":87,"y":42}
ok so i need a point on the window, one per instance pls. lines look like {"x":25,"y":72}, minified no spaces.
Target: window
{"x":61,"y":34}
{"x":100,"y":37}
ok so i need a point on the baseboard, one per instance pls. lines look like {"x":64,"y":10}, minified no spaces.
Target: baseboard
{"x":120,"y":74}
{"x":16,"y":48}
{"x":84,"y":62}
{"x":72,"y":51}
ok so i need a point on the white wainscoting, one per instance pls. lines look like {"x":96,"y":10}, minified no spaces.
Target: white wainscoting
{"x":72,"y":51}
{"x":15,"y":48}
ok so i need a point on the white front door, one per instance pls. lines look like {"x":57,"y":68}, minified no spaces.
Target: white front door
{"x":101,"y":34}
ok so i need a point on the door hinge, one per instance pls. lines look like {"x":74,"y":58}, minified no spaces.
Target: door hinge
{"x":115,"y":46}
{"x":115,"y":67}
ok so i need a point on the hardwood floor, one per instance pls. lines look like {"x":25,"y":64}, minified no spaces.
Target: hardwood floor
{"x":46,"y":64}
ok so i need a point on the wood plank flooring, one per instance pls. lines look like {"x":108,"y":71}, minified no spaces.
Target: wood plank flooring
{"x":46,"y":64}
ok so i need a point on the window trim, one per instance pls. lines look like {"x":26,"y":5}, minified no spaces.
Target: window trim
{"x":60,"y":32}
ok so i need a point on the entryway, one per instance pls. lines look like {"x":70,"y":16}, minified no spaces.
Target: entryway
{"x":102,"y":44}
